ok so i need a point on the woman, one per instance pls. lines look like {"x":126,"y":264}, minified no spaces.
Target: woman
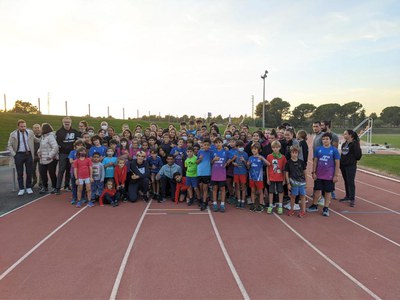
{"x":139,"y":174}
{"x":351,"y":153}
{"x":48,"y":154}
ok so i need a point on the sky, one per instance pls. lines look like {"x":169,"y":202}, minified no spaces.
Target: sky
{"x":193,"y":57}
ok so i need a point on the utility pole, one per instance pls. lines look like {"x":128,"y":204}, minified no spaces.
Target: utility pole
{"x":123,"y":113}
{"x":137,"y":114}
{"x":252,"y":106}
{"x":48,"y":103}
{"x":39,"y":105}
{"x":89,"y":109}
{"x":5,"y":103}
{"x":66,"y":108}
{"x":108,"y":111}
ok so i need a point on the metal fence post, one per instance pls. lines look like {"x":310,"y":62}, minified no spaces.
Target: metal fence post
{"x":14,"y":181}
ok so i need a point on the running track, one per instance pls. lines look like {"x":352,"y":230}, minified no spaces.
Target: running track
{"x":51,"y":250}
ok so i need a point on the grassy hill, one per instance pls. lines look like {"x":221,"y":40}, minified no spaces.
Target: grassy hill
{"x":8,"y":123}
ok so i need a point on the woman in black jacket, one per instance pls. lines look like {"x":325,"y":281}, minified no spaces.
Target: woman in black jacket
{"x":351,"y":153}
{"x":139,"y":174}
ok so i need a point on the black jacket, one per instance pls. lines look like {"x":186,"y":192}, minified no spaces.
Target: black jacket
{"x":351,"y":153}
{"x":66,"y":139}
{"x":142,"y":170}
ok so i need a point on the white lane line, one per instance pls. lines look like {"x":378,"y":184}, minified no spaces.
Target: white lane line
{"x":198,"y":213}
{"x":156,"y":214}
{"x":190,"y":209}
{"x":378,"y":188}
{"x":39,"y":244}
{"x":378,"y":175}
{"x":228,"y":259}
{"x":324,"y":256}
{"x":368,"y":201}
{"x":126,"y":256}
{"x":363,"y":227}
{"x":26,"y":204}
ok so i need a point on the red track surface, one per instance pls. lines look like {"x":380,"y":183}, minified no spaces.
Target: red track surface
{"x":176,"y":255}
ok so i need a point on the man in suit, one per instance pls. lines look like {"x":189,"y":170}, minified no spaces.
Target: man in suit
{"x":21,"y":147}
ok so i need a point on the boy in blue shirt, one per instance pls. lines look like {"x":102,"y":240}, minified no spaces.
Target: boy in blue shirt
{"x":204,"y":171}
{"x":97,"y":147}
{"x":256,"y":165}
{"x":109,"y":163}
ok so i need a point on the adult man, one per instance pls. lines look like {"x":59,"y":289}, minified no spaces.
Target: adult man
{"x":326,"y":127}
{"x":21,"y":147}
{"x":37,"y":130}
{"x":66,"y":137}
{"x":316,"y":126}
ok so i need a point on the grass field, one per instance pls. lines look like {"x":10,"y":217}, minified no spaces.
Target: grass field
{"x":391,"y":139}
{"x":389,"y":164}
{"x":8,"y":123}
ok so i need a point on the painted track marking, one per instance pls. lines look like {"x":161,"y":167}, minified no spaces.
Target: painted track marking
{"x":379,"y":175}
{"x":378,"y":188}
{"x":22,"y":206}
{"x":39,"y":244}
{"x":324,"y":256}
{"x":127,"y":253}
{"x":228,"y":259}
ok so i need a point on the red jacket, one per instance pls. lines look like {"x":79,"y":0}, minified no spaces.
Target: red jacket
{"x":106,"y":191}
{"x":180,"y":187}
{"x":120,"y":175}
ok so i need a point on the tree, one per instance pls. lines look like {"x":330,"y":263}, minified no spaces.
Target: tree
{"x":301,"y":113}
{"x":325,"y":112}
{"x":279,"y":109}
{"x":24,"y":108}
{"x":352,"y":111}
{"x":373,"y":116}
{"x":391,"y":115}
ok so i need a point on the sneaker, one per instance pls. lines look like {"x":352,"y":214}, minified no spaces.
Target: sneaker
{"x":352,"y":203}
{"x":321,"y":201}
{"x":57,"y":191}
{"x":29,"y":191}
{"x":67,"y":188}
{"x":325,"y":212}
{"x":73,"y":202}
{"x":259,"y":209}
{"x":215,"y":207}
{"x":313,"y":208}
{"x":345,"y":200}
{"x":301,"y":214}
{"x":161,"y":200}
{"x":291,"y":213}
{"x":287,"y":206}
{"x":116,"y":203}
{"x":333,"y":195}
{"x":239,"y":204}
{"x":203,"y":206}
{"x":43,"y":190}
{"x":296,"y":207}
{"x":252,"y":207}
{"x":243,"y":204}
{"x":269,"y":209}
{"x":280,"y":210}
{"x":21,"y":192}
{"x":90,"y":204}
{"x":145,"y":198}
{"x":222,"y":208}
{"x":190,"y":202}
{"x":79,"y":204}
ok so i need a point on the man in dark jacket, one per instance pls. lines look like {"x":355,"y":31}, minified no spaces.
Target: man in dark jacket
{"x":66,"y":137}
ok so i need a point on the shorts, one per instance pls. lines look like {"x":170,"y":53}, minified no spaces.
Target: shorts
{"x":298,"y":190}
{"x":218,"y":183}
{"x":259,"y":185}
{"x":240,"y":178}
{"x":324,"y":185}
{"x":276,"y":187}
{"x":191,"y":181}
{"x":204,"y":179}
{"x":84,"y":181}
{"x":229,"y":176}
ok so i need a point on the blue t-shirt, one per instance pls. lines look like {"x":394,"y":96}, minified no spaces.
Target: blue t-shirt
{"x":256,"y":169}
{"x":218,"y":169}
{"x":241,"y":168}
{"x":102,"y":150}
{"x":180,"y":158}
{"x":155,"y":162}
{"x":326,"y":162}
{"x":204,"y":167}
{"x":109,"y":171}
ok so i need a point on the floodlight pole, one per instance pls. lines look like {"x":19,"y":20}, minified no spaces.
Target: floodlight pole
{"x":263,"y":108}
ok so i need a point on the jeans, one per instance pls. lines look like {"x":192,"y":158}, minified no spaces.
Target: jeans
{"x":22,"y":159}
{"x":97,"y":188}
{"x":64,"y":166}
{"x":167,"y":181}
{"x":108,"y":199}
{"x":134,"y":188}
{"x":349,"y":176}
{"x":51,"y":169}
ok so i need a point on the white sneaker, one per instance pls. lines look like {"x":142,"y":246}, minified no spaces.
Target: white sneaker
{"x":29,"y":191}
{"x":296,"y":207}
{"x":21,"y":192}
{"x":321,"y":201}
{"x":287,"y":206}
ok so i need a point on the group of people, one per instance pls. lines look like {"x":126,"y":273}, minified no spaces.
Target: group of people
{"x":192,"y":163}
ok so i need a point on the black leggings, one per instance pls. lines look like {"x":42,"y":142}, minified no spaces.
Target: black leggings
{"x":349,"y":176}
{"x":51,"y":169}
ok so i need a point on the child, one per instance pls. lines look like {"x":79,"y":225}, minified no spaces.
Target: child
{"x":163,"y":155}
{"x":109,"y":163}
{"x":108,"y":194}
{"x":153,"y":142}
{"x":191,"y":175}
{"x":83,"y":173}
{"x":240,"y":158}
{"x":275,"y":176}
{"x":204,"y":171}
{"x":134,"y":149}
{"x":179,"y":153}
{"x":256,"y":181}
{"x":155,"y":164}
{"x":218,"y":174}
{"x":124,"y":151}
{"x":295,"y":173}
{"x":72,"y":157}
{"x":98,"y":177}
{"x":325,"y":172}
{"x":181,"y":188}
{"x":97,"y":147}
{"x":166,"y":177}
{"x":120,"y":173}
{"x":145,"y":148}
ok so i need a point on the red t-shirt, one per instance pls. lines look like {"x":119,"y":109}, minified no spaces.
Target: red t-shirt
{"x":82,"y":167}
{"x":277,"y":168}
